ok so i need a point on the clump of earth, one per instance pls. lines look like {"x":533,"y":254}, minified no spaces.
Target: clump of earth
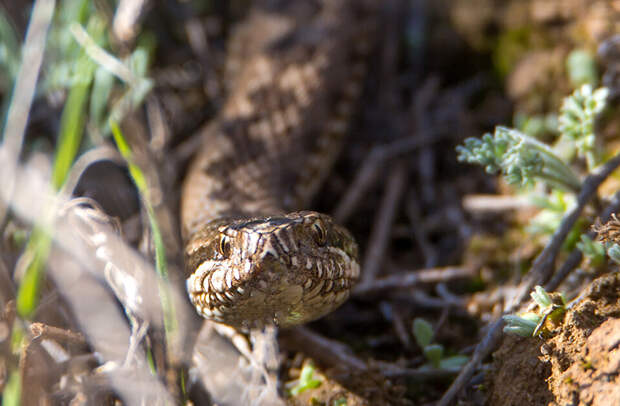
{"x":578,"y":365}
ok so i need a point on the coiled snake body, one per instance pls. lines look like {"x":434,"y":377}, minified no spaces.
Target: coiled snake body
{"x":248,"y":262}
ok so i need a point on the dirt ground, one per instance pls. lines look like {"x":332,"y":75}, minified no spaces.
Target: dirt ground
{"x":579,"y":365}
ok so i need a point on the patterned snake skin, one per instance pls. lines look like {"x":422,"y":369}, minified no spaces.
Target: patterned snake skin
{"x":295,"y":77}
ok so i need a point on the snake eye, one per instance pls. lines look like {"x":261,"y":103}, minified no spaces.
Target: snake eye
{"x":224,"y":246}
{"x":319,"y":233}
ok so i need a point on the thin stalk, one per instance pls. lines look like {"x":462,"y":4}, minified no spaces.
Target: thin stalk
{"x":161,"y":266}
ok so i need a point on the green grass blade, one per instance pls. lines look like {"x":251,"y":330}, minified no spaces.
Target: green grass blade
{"x":69,"y":140}
{"x":9,"y":52}
{"x":11,"y":396}
{"x":160,"y":252}
{"x":73,"y":114}
{"x":71,"y":125}
{"x":36,"y":252}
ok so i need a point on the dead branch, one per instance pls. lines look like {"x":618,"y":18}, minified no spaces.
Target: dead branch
{"x":405,"y":280}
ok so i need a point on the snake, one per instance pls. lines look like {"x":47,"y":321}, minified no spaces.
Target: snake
{"x":253,"y":255}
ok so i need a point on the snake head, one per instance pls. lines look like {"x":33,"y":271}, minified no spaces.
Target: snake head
{"x":285,"y":270}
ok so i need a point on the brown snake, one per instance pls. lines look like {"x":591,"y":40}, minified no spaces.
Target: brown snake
{"x":266,"y":153}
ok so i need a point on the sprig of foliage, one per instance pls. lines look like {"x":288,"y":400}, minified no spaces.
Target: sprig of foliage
{"x":434,"y":353}
{"x":62,"y":49}
{"x":551,"y":307}
{"x":132,"y":72}
{"x":553,"y":206}
{"x":522,"y":160}
{"x":594,"y":251}
{"x":538,"y":125}
{"x":522,"y":325}
{"x":581,"y":68}
{"x":422,"y":332}
{"x":614,"y":253}
{"x":306,"y":380}
{"x":576,"y":120}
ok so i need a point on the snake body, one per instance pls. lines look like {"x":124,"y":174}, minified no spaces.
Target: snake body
{"x":294,"y":78}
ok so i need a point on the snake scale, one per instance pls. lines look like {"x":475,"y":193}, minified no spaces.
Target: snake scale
{"x":252,"y":258}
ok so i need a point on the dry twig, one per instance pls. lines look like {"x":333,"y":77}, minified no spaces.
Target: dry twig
{"x":405,"y":280}
{"x":128,"y":13}
{"x":43,"y":331}
{"x":371,"y":168}
{"x":23,"y":94}
{"x":326,"y":351}
{"x":380,"y":234}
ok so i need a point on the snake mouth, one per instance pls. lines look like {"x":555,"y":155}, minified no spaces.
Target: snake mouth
{"x":272,"y":291}
{"x":278,"y":270}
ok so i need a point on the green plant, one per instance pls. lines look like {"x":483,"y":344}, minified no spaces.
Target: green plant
{"x":536,"y":125}
{"x":581,"y":68}
{"x":551,"y":307}
{"x":434,"y":353}
{"x":525,"y":161}
{"x":522,"y":160}
{"x":594,"y":251}
{"x":306,"y":381}
{"x":522,"y":325}
{"x":553,"y":207}
{"x":614,"y":253}
{"x":576,"y":121}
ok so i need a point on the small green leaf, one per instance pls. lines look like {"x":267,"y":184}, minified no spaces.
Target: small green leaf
{"x":541,"y":297}
{"x":454,"y":362}
{"x":340,"y":402}
{"x":577,"y":117}
{"x":306,"y":380}
{"x":581,"y":67}
{"x":102,"y":88}
{"x":593,"y":250}
{"x":139,"y":61}
{"x":523,"y":325}
{"x":433,"y":353}
{"x":614,"y":253}
{"x":422,"y":331}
